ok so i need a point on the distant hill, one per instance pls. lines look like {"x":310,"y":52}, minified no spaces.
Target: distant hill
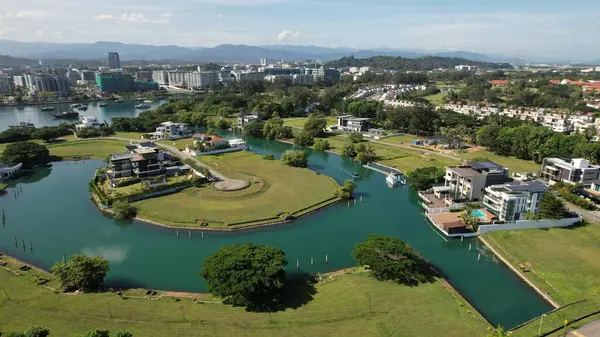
{"x":9,"y":61}
{"x":225,"y":53}
{"x":416,"y":64}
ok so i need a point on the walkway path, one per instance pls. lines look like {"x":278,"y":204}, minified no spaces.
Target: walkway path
{"x":588,"y":215}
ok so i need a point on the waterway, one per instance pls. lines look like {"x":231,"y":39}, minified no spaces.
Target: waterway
{"x":12,"y":115}
{"x":55,"y":213}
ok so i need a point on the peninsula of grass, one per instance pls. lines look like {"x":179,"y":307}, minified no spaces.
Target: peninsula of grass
{"x":93,"y":148}
{"x":341,"y":305}
{"x":275,"y":192}
{"x":561,"y":262}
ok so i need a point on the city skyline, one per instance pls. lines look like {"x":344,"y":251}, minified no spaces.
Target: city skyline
{"x":533,"y":30}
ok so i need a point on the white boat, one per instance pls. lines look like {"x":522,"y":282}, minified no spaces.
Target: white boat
{"x":394,"y":179}
{"x":76,"y":105}
{"x":102,"y":104}
{"x":142,"y":106}
{"x":148,"y":101}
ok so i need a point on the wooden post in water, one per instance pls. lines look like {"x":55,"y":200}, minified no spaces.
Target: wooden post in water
{"x":348,"y":203}
{"x":361,"y":198}
{"x":469,"y":247}
{"x":202,"y":234}
{"x":177,"y":232}
{"x":64,"y":259}
{"x":478,"y":256}
{"x":15,"y":239}
{"x":190,"y":234}
{"x":461,"y":238}
{"x":298,"y":265}
{"x":355,"y":201}
{"x":30,"y":246}
{"x":312,"y":262}
{"x":326,"y":260}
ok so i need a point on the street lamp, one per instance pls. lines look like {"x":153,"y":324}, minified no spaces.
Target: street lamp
{"x":541,"y":321}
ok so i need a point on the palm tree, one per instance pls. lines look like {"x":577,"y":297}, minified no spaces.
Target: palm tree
{"x":468,"y":219}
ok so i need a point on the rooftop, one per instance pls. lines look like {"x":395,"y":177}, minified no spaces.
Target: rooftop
{"x":464,"y":171}
{"x":120,"y":156}
{"x":144,"y":150}
{"x":484,"y":165}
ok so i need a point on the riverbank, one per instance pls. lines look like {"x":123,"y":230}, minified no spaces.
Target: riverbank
{"x":348,"y":304}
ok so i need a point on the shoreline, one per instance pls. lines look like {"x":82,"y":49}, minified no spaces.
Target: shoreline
{"x":545,"y":296}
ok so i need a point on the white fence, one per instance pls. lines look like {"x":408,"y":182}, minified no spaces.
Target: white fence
{"x":196,"y":153}
{"x":529,"y":224}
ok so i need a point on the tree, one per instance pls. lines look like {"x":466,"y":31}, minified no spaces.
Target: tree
{"x":498,"y":332}
{"x":349,"y":150}
{"x":80,"y":272}
{"x":590,"y":132}
{"x":390,"y":258}
{"x":295,"y":158}
{"x":304,"y":139}
{"x":466,"y":216}
{"x":223,"y":124}
{"x":124,"y":333}
{"x":424,"y":177}
{"x":254,"y":129}
{"x":28,"y":153}
{"x":315,"y":125}
{"x":123,"y":210}
{"x":246,"y":275}
{"x":345,"y":191}
{"x":365,"y":153}
{"x":274,"y":129}
{"x":47,"y":134}
{"x":97,"y":333}
{"x":356,"y":137}
{"x":551,"y":207}
{"x":322,"y":145}
{"x":36,"y":331}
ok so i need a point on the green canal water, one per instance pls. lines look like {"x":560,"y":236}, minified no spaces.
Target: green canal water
{"x":12,"y":115}
{"x":55,"y":213}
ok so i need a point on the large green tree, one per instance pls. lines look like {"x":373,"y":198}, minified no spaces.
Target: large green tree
{"x":390,"y":258}
{"x":315,"y":125}
{"x":28,"y":153}
{"x":274,"y":129}
{"x":365,"y":153}
{"x":97,"y":333}
{"x":304,"y":139}
{"x":424,"y":177}
{"x":81,"y":272}
{"x":345,"y":191}
{"x":295,"y":158}
{"x":551,"y":207}
{"x":246,"y":275}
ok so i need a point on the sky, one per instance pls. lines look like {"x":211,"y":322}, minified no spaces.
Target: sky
{"x":516,"y":28}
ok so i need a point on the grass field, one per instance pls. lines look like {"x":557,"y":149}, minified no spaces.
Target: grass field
{"x":299,"y":122}
{"x":343,"y":305}
{"x":436,"y":99}
{"x":130,"y":135}
{"x":39,"y":141}
{"x":513,"y":164}
{"x":275,"y":188}
{"x":403,"y":139}
{"x":403,"y":159}
{"x":179,"y":143}
{"x":98,"y":149}
{"x":564,"y":263}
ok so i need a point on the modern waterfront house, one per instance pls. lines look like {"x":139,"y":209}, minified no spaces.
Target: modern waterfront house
{"x":465,"y":183}
{"x":143,"y":161}
{"x":571,"y":171}
{"x":210,"y":144}
{"x":243,"y":120}
{"x":171,"y":130}
{"x":349,"y":123}
{"x":8,"y":171}
{"x":512,"y":201}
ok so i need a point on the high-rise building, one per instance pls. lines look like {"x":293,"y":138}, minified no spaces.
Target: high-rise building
{"x":6,"y":84}
{"x":143,"y":75}
{"x":113,"y":61}
{"x":87,"y":75}
{"x":160,"y":76}
{"x":47,"y":83}
{"x":19,"y":81}
{"x":202,"y":79}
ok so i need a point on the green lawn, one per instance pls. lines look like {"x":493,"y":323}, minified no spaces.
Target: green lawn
{"x":97,"y":148}
{"x":564,"y":263}
{"x":403,"y":139}
{"x":513,"y":164}
{"x":275,"y":188}
{"x":299,"y":122}
{"x":179,"y":143}
{"x":436,"y":99}
{"x":39,"y":141}
{"x":130,"y":135}
{"x":403,"y":159}
{"x":343,"y":305}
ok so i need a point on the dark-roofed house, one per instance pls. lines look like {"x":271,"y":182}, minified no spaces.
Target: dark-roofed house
{"x":468,"y":182}
{"x":512,"y":201}
{"x":143,"y":161}
{"x":349,"y":123}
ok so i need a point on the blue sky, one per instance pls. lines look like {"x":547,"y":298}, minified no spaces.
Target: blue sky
{"x":522,"y":28}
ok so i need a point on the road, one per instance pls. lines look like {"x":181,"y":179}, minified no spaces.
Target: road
{"x":588,"y":330}
{"x":588,"y":215}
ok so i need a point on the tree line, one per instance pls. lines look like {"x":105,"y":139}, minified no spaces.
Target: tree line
{"x":413,"y":64}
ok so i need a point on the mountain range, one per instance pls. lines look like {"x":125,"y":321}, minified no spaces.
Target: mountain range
{"x":223,"y":53}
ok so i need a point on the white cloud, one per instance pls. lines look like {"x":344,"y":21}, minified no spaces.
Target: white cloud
{"x":134,"y":18}
{"x":164,"y":19}
{"x":287,"y":35}
{"x":104,"y":17}
{"x":34,"y":15}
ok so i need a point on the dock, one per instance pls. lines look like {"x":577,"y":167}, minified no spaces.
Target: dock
{"x":382,"y":171}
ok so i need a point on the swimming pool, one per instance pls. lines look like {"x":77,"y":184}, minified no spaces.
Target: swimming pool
{"x":478,"y":213}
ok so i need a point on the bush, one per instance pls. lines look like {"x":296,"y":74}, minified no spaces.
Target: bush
{"x":356,"y":137}
{"x":295,"y":158}
{"x":304,"y":139}
{"x":349,"y":150}
{"x":29,"y":154}
{"x":197,"y":182}
{"x":123,"y":210}
{"x":423,"y":178}
{"x":345,"y":191}
{"x":322,"y":145}
{"x":80,"y":272}
{"x":268,"y":157}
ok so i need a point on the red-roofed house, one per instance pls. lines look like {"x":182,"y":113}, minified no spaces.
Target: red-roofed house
{"x":498,"y":83}
{"x":592,"y":87}
{"x":555,"y":82}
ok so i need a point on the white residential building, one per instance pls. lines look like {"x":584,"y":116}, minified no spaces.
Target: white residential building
{"x":161,"y":77}
{"x":171,"y":130}
{"x":87,"y":122}
{"x":512,"y":201}
{"x":19,"y":81}
{"x":242,"y":76}
{"x":202,"y":79}
{"x":243,"y":120}
{"x":177,"y":78}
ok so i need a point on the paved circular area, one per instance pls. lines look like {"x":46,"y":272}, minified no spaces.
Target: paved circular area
{"x":231,"y":185}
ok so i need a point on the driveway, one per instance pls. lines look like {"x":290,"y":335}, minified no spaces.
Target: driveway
{"x":588,"y":330}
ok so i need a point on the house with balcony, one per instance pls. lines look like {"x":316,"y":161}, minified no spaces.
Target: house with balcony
{"x":171,"y":130}
{"x":573,"y":171}
{"x":243,"y":120}
{"x":465,"y":183}
{"x":349,"y":123}
{"x":512,"y":201}
{"x":8,"y":171}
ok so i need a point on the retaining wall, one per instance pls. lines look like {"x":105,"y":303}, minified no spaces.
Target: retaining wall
{"x":529,"y":224}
